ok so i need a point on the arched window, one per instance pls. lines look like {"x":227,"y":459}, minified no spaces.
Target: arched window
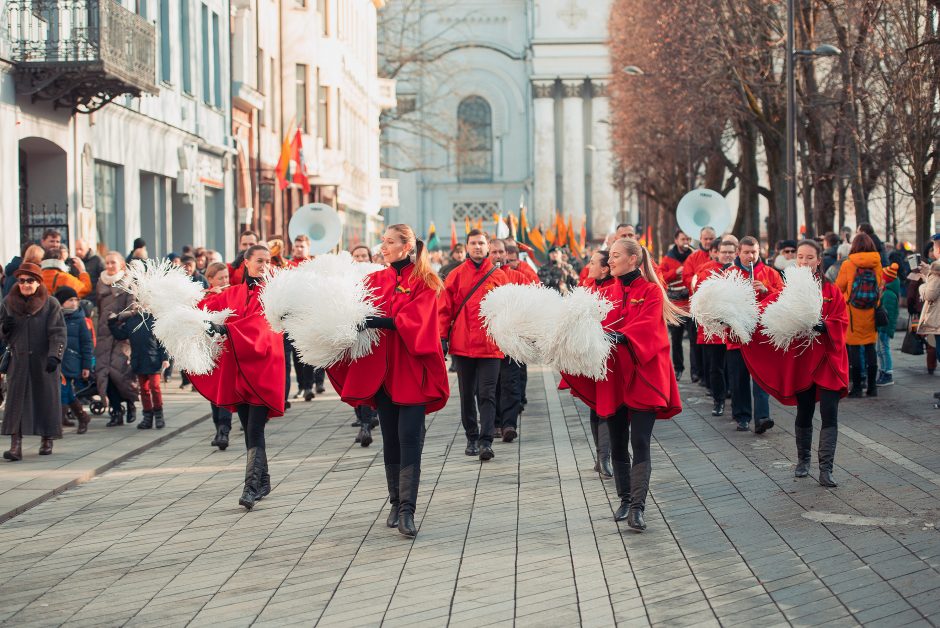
{"x":474,"y":141}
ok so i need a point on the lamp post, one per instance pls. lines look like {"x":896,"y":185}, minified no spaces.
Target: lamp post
{"x":824,"y":50}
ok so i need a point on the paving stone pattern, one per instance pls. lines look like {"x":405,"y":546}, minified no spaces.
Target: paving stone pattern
{"x":527,"y":539}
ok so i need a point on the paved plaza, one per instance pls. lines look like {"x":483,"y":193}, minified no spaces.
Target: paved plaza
{"x":527,"y":539}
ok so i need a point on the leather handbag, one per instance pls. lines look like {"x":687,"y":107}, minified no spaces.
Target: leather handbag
{"x":912,"y":344}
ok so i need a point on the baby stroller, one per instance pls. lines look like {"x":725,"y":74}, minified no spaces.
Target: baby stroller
{"x":86,"y":391}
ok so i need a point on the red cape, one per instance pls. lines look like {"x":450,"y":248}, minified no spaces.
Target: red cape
{"x":825,"y":363}
{"x":639,"y":373}
{"x":408,"y":361}
{"x":251,"y":367}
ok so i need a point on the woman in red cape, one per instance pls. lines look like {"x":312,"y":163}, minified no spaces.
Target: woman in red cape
{"x":249,"y":377}
{"x":404,"y":376}
{"x":804,"y":377}
{"x":641,"y":383}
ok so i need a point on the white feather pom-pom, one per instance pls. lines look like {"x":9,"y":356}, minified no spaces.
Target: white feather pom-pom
{"x":367,"y":268}
{"x":579,"y":345}
{"x":517,"y":317}
{"x":283,"y":292}
{"x":159,"y":286}
{"x":790,"y":319}
{"x":726,"y":301}
{"x":182,"y":331}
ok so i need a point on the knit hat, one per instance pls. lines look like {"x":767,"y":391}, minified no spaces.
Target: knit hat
{"x":139,"y":244}
{"x":891,"y":273}
{"x":65,"y":293}
{"x":30,"y":269}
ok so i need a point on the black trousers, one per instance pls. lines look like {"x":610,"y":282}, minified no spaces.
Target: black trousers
{"x":676,"y":333}
{"x":715,"y":367}
{"x":828,"y":407}
{"x":476,"y":379}
{"x":698,"y":352}
{"x":635,"y":427}
{"x":855,"y":363}
{"x":253,"y":420}
{"x":402,"y":431}
{"x":509,"y":394}
{"x":304,"y":372}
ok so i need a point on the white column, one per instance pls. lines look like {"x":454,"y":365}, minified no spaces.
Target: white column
{"x":544,"y":202}
{"x":573,"y":154}
{"x":604,"y":199}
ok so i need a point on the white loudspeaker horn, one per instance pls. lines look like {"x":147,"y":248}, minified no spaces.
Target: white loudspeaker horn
{"x":703,"y":208}
{"x":320,"y":223}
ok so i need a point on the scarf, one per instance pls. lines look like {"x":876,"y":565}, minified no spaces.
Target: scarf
{"x":54,"y":263}
{"x":27,"y":306}
{"x":111,"y":279}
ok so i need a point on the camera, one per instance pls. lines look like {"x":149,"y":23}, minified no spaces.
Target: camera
{"x":913,"y":261}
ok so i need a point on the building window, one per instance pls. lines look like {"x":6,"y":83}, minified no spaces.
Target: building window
{"x":474,"y":141}
{"x":109,"y":216}
{"x":339,"y":119}
{"x":323,"y":113}
{"x":140,"y":7}
{"x":186,"y":58}
{"x":475,"y":210}
{"x":165,"y":69}
{"x":216,"y":62}
{"x":206,"y":70}
{"x":300,"y":94}
{"x":323,"y":8}
{"x":272,"y":91}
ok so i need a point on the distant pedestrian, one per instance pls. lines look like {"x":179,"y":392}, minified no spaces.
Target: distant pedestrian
{"x":31,"y":324}
{"x":113,"y":372}
{"x":55,"y":272}
{"x":139,"y":251}
{"x":860,"y":280}
{"x":78,"y":359}
{"x":32,"y":253}
{"x":148,"y":360}
{"x":890,"y":300}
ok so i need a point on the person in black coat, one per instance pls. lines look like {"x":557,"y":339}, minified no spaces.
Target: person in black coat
{"x":148,"y":360}
{"x":79,"y":356}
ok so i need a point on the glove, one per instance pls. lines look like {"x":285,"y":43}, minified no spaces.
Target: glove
{"x":444,"y":346}
{"x":820,"y":328}
{"x":52,"y":363}
{"x":379,"y":322}
{"x":216,"y":329}
{"x":616,"y":337}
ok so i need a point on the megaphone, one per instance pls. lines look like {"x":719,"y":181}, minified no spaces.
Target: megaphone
{"x":703,"y":208}
{"x":320,"y":223}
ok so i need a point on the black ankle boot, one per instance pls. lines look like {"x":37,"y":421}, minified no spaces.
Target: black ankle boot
{"x":718,"y":409}
{"x":264,"y":486}
{"x":222,"y":438}
{"x":117,"y":418}
{"x":158,"y":421}
{"x":365,"y":434}
{"x":215,"y":439}
{"x":639,"y":487}
{"x":621,"y":473}
{"x":804,"y":449}
{"x":147,"y":422}
{"x":408,"y":479}
{"x":131,"y":413}
{"x":252,"y":480}
{"x":827,"y":455}
{"x":391,"y":478}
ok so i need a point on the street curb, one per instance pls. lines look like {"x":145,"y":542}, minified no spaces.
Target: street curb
{"x":4,"y":517}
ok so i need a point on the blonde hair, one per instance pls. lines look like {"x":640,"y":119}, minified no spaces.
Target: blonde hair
{"x":34,"y":253}
{"x":117,"y":255}
{"x":423,"y":268}
{"x":672,"y":314}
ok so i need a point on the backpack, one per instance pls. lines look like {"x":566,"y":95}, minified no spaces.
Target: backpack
{"x":865,"y":293}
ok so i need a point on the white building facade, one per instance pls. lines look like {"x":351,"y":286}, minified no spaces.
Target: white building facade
{"x":520,"y":90}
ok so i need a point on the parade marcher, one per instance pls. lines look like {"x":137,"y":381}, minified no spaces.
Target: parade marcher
{"x":367,"y":418}
{"x":860,"y":280}
{"x":804,"y":376}
{"x":672,"y":266}
{"x":113,"y":371}
{"x":55,"y":273}
{"x":78,"y":358}
{"x":300,"y":253}
{"x":32,"y":326}
{"x":475,"y":355}
{"x":248,"y":377}
{"x":148,"y":360}
{"x":640,"y":386}
{"x":767,"y":284}
{"x":690,"y":268}
{"x":457,"y":257}
{"x":217,"y":276}
{"x":404,"y":377}
{"x":599,"y":278}
{"x":715,"y":348}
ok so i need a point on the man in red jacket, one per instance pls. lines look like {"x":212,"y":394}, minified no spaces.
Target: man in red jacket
{"x":476,"y":355}
{"x":671,"y":268}
{"x":767,"y":283}
{"x":690,"y":268}
{"x":236,"y":270}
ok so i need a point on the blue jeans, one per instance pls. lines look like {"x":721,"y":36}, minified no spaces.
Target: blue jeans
{"x":742,"y":390}
{"x":883,"y":348}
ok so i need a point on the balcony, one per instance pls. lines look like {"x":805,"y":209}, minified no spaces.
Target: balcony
{"x":81,"y":54}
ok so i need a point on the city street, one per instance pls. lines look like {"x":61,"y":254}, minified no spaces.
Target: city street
{"x":527,"y":539}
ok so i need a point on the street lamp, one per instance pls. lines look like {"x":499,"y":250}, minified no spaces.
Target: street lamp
{"x":823,"y":50}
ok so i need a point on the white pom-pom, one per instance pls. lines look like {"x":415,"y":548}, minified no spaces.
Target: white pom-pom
{"x":790,"y":319}
{"x":159,"y":285}
{"x":367,"y":268}
{"x":725,"y":301}
{"x":578,"y":345}
{"x":282,"y":293}
{"x":517,"y":317}
{"x":182,"y":331}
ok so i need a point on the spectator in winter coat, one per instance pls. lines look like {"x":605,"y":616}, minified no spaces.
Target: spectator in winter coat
{"x":868,"y":230}
{"x":863,"y":263}
{"x":79,"y":356}
{"x":915,"y":303}
{"x":138,"y":252}
{"x":32,"y":253}
{"x":112,"y":356}
{"x":92,"y":261}
{"x":831,"y":253}
{"x":890,"y":299}
{"x":148,"y":360}
{"x":842,"y":253}
{"x":930,"y":315}
{"x":55,"y":273}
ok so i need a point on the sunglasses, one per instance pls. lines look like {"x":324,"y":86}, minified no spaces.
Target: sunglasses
{"x":789,"y":251}
{"x":25,"y":280}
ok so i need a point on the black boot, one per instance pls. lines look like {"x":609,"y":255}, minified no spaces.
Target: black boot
{"x":622,"y":482}
{"x":603,"y":451}
{"x":872,"y":380}
{"x":855,"y":374}
{"x":147,"y":422}
{"x":131,"y":412}
{"x":719,"y":408}
{"x":364,"y":437}
{"x":639,"y":487}
{"x":117,"y":417}
{"x":218,"y":430}
{"x":391,"y":478}
{"x":158,"y":421}
{"x":408,"y":479}
{"x":264,"y":487}
{"x":222,"y":438}
{"x":473,"y":449}
{"x":804,"y":450}
{"x":827,"y":455}
{"x":252,"y":479}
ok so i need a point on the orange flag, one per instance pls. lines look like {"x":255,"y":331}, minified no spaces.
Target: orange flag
{"x":561,"y":231}
{"x":453,"y":235}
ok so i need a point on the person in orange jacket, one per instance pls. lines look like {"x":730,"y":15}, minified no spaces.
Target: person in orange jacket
{"x":462,"y":334}
{"x":861,"y":280}
{"x":55,"y":273}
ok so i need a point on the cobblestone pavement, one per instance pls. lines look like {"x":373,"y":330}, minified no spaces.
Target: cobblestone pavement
{"x":527,"y":539}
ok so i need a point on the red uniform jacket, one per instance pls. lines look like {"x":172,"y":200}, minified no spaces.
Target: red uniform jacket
{"x":692,"y":265}
{"x":518,"y":277}
{"x":251,"y":367}
{"x":766,"y":275}
{"x":639,"y":373}
{"x":408,"y":361}
{"x":669,"y":267}
{"x":468,"y":337}
{"x":236,"y":275}
{"x":826,"y":364}
{"x":526,"y":270}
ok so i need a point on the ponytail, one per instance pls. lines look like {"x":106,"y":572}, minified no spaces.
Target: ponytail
{"x":672,"y":314}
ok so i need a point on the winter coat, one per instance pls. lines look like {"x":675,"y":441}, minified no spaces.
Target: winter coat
{"x":408,"y":361}
{"x":80,"y":348}
{"x":829,"y":257}
{"x":890,"y":301}
{"x":861,"y":321}
{"x":147,"y":354}
{"x":55,"y":275}
{"x":669,"y":266}
{"x":113,"y":357}
{"x":930,"y":315}
{"x":33,"y":402}
{"x":468,"y":338}
{"x":8,"y":279}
